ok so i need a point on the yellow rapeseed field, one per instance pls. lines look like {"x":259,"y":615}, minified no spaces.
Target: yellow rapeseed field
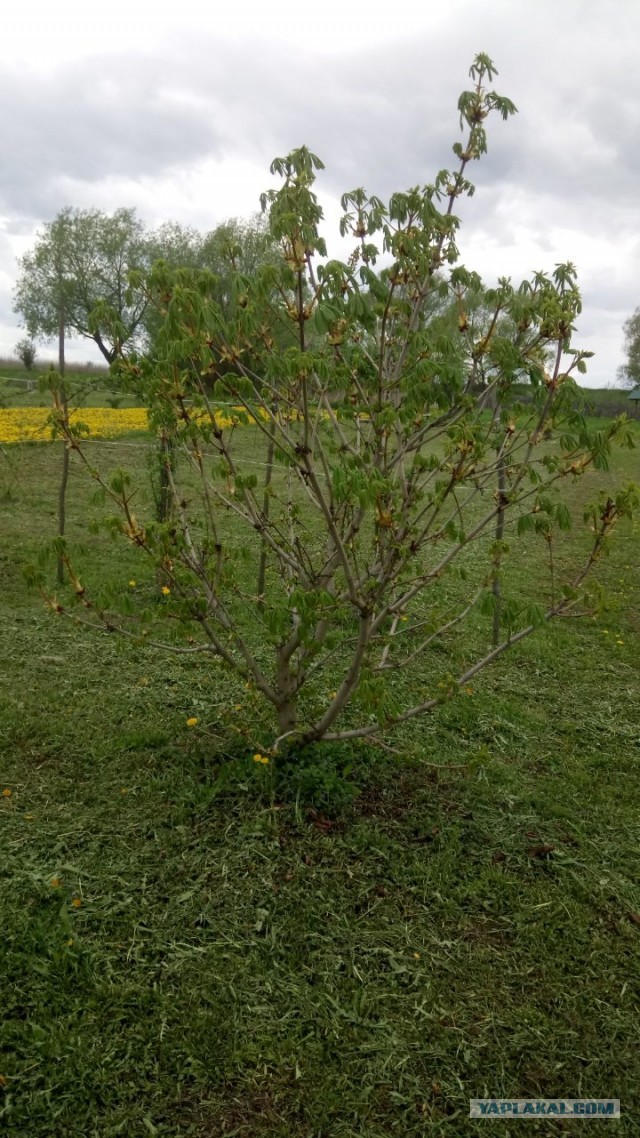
{"x":30,"y":424}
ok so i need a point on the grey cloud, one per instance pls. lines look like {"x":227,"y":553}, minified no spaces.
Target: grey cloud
{"x":94,"y":121}
{"x":384,"y":118}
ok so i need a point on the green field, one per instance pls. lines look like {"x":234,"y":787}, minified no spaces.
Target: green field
{"x":21,"y":388}
{"x":191,"y":949}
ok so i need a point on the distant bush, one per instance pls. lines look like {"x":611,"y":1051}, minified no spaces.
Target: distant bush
{"x":608,"y":402}
{"x":26,"y":352}
{"x":604,"y":402}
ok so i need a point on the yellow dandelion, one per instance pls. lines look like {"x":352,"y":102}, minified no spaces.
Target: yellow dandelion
{"x":166,"y":590}
{"x":77,"y":902}
{"x":6,"y":793}
{"x":55,"y":883}
{"x":192,"y":721}
{"x":123,"y":790}
{"x":132,"y":583}
{"x":28,"y":817}
{"x":333,"y":694}
{"x":258,"y":758}
{"x":237,"y":707}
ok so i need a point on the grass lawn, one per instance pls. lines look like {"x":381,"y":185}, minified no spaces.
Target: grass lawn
{"x":20,"y":388}
{"x":186,"y":953}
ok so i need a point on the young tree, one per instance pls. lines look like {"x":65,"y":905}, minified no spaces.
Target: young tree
{"x":629,"y":372}
{"x":83,"y":259}
{"x":377,"y":553}
{"x":26,"y":352}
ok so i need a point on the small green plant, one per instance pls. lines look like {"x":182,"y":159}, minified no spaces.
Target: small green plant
{"x":318,"y":775}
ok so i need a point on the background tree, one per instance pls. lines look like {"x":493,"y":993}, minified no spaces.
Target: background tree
{"x":179,"y":246}
{"x":629,"y":372}
{"x":79,"y":263}
{"x":26,"y":352}
{"x":233,"y":250}
{"x":92,"y":254}
{"x":237,"y":246}
{"x":377,"y":554}
{"x":234,"y":247}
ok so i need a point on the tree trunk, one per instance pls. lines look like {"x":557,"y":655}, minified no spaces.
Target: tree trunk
{"x":165,"y":457}
{"x":496,"y":588}
{"x":64,"y":477}
{"x":287,"y":717}
{"x":262,"y":565}
{"x":286,"y":709}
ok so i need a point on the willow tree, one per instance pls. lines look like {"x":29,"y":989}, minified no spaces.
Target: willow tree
{"x":81,"y":258}
{"x":81,"y":261}
{"x":383,"y":546}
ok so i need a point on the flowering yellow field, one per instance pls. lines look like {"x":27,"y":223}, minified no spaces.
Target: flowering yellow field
{"x":29,"y":424}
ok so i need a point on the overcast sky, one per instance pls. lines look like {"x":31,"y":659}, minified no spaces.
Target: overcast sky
{"x":178,"y":108}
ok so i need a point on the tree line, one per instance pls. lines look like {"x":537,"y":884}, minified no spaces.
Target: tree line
{"x":629,"y":371}
{"x":78,"y":279}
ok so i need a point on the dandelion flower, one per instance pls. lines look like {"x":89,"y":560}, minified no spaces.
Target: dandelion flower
{"x":132,"y":584}
{"x":6,"y":793}
{"x":192,"y":721}
{"x":77,"y":902}
{"x":166,"y":590}
{"x":55,"y":882}
{"x":258,"y":758}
